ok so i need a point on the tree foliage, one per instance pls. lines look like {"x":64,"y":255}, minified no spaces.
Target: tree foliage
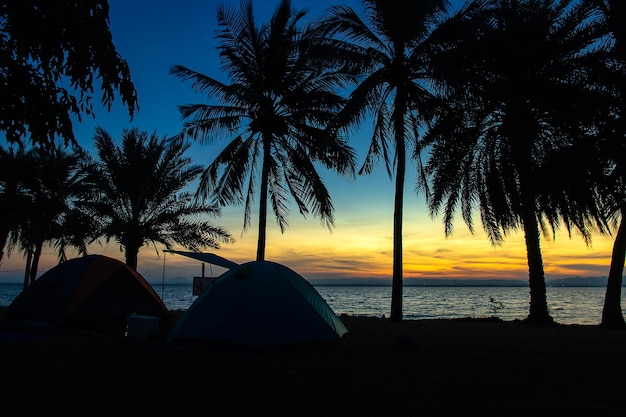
{"x":17,"y":178}
{"x":612,"y":139}
{"x":517,"y":105}
{"x":389,"y":46}
{"x":274,"y":111}
{"x":53,"y":217}
{"x":38,"y":191}
{"x":52,"y":52}
{"x":139,"y":196}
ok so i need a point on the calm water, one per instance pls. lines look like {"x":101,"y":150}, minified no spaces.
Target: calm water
{"x":567,"y":305}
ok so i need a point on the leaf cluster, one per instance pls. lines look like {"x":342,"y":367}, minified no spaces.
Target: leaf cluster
{"x":138,"y":194}
{"x":51,"y":54}
{"x":274,"y":111}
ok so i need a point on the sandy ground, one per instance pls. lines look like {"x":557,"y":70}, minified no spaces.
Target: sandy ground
{"x":413,"y":368}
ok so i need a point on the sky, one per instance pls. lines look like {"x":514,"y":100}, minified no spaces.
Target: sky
{"x":153,"y":35}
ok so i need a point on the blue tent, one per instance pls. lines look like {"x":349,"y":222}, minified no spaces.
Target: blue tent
{"x":260,"y":304}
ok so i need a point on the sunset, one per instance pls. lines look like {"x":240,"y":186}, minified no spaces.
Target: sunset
{"x":312,"y":208}
{"x":153,"y":36}
{"x":360,"y":245}
{"x":363,"y":250}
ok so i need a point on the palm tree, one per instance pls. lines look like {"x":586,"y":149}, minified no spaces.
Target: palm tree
{"x":612,"y":315}
{"x":390,"y":44}
{"x":17,"y":175}
{"x":51,"y":215}
{"x":275,"y":109}
{"x":613,"y":14}
{"x":138,"y":198}
{"x":517,"y":96}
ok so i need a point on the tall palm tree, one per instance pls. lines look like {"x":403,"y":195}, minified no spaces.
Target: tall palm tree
{"x":390,"y":44}
{"x":516,"y":96}
{"x":613,"y":135}
{"x":138,"y":198}
{"x":275,"y":110}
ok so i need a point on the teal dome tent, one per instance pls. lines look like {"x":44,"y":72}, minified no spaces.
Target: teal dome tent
{"x":259,"y":304}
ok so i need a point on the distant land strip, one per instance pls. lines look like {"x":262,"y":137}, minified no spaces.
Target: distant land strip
{"x":433,"y":282}
{"x":430,"y":282}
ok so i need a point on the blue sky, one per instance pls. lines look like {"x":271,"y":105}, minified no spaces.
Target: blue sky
{"x":154,"y":35}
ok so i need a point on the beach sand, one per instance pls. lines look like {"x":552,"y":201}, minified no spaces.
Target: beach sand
{"x":412,"y":368}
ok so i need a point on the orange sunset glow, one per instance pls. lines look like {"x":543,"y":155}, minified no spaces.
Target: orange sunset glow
{"x":356,"y":249}
{"x":360,"y":246}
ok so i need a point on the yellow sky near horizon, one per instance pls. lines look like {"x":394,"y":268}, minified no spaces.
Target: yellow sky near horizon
{"x":364,"y":250}
{"x":361,"y":243}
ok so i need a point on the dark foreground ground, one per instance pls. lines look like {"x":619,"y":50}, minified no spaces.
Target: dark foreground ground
{"x":414,"y":368}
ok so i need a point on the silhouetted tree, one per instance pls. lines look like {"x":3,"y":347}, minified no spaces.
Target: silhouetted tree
{"x":17,"y":178}
{"x":138,"y":196}
{"x":275,"y":109}
{"x":613,"y":141}
{"x":51,"y":53}
{"x":517,"y":96}
{"x":51,"y":216}
{"x":390,"y":45}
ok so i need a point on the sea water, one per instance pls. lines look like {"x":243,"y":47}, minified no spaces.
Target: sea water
{"x":567,"y":305}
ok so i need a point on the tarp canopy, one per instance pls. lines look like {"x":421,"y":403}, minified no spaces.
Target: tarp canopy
{"x":90,"y":293}
{"x":260,"y":304}
{"x":210,"y":258}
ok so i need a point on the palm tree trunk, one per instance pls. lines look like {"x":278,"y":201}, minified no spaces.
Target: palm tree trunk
{"x":522,"y":151}
{"x":29,"y":259}
{"x":132,"y":252}
{"x":538,"y":313}
{"x":396,"y":282}
{"x":4,"y":236}
{"x":35,"y":262}
{"x":260,"y":252}
{"x":132,"y":240}
{"x":612,"y":312}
